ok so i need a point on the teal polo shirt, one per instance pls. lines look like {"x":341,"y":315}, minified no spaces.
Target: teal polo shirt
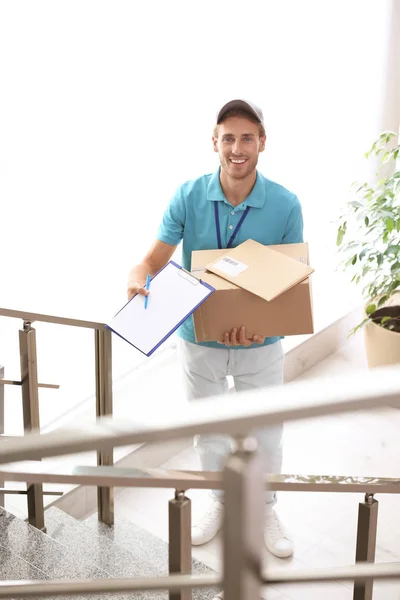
{"x":274,"y":217}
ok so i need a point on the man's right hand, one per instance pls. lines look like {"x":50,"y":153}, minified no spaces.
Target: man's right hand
{"x":135,"y":287}
{"x":158,"y":256}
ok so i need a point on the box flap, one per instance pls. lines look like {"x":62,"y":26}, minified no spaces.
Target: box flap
{"x":297,"y":251}
{"x":201,"y":258}
{"x":260,"y":270}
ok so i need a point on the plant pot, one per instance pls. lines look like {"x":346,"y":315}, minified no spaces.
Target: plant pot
{"x":382,"y":345}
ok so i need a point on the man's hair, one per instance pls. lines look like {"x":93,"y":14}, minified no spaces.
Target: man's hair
{"x":238,"y":112}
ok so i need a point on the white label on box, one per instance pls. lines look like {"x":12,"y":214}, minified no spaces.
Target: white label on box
{"x":230,"y":266}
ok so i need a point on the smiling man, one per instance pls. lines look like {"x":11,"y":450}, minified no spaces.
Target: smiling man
{"x":222,"y":210}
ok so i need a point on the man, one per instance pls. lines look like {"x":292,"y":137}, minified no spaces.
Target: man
{"x":222,"y":210}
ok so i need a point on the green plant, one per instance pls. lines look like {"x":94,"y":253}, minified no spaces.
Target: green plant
{"x":369,"y":231}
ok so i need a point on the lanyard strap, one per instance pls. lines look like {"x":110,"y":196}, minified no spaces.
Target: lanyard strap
{"x":234,"y":234}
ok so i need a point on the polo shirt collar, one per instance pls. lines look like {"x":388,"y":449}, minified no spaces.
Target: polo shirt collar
{"x":255,"y":199}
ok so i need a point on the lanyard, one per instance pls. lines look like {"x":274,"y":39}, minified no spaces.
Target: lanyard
{"x":238,"y":226}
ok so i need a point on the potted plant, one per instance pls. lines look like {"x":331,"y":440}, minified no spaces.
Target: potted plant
{"x":368,"y":238}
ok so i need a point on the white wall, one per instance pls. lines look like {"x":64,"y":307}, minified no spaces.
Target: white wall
{"x":105,"y":107}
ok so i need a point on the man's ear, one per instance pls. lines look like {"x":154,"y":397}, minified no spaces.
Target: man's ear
{"x":262,"y":143}
{"x":215,"y":144}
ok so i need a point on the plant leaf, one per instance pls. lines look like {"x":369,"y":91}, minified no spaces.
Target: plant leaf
{"x":365,"y":270}
{"x":386,"y":157}
{"x":341,"y":233}
{"x":355,"y":329}
{"x":389,"y":224}
{"x":382,"y":300}
{"x":392,"y":250}
{"x":371,"y":308}
{"x":355,"y":204}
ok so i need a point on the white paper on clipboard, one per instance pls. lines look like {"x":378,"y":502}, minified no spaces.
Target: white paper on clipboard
{"x":174,"y":295}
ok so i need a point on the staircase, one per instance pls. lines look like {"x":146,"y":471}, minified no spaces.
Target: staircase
{"x":73,"y":549}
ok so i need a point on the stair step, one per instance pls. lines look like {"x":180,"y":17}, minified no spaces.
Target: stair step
{"x":77,"y":537}
{"x":27,"y":553}
{"x":123,"y":550}
{"x":13,"y":568}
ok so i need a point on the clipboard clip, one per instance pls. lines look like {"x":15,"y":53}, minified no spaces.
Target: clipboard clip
{"x":188,"y":276}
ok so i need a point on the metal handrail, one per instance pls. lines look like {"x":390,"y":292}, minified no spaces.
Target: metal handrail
{"x":357,"y":573}
{"x":52,"y":386}
{"x":32,"y":317}
{"x":76,"y":587}
{"x":36,"y":472}
{"x":30,"y":397}
{"x":235,"y":416}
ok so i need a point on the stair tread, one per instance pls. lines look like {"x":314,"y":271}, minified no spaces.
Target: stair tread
{"x":42,"y":552}
{"x":77,"y":537}
{"x":14,"y":567}
{"x":123,"y":550}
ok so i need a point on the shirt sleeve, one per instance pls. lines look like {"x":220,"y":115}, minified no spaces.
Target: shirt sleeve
{"x":294,"y":227}
{"x":172,"y":225}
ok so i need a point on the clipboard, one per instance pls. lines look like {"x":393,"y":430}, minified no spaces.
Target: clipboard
{"x":174,"y":295}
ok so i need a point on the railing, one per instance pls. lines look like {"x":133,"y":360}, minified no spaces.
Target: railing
{"x":30,"y":402}
{"x":176,"y":584}
{"x":242,"y":480}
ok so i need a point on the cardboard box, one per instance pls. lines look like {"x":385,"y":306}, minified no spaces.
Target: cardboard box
{"x":260,"y":269}
{"x":288,"y":313}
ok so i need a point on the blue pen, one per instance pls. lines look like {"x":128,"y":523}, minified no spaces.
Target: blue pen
{"x":147,"y":286}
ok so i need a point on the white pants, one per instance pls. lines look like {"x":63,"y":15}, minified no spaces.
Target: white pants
{"x":205,"y":373}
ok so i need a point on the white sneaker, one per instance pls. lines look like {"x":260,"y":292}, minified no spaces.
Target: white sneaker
{"x":209,"y":526}
{"x":276,"y":539}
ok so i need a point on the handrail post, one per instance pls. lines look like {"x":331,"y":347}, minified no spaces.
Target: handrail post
{"x":244,"y":514}
{"x":366,"y":543}
{"x":180,"y":541}
{"x":105,"y":458}
{"x":30,"y":404}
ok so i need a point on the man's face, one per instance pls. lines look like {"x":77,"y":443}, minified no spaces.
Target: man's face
{"x":238,"y":145}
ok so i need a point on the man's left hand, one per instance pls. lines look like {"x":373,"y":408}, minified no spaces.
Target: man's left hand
{"x":237,"y":337}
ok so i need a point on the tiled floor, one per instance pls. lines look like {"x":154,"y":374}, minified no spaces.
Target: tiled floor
{"x":323,"y":525}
